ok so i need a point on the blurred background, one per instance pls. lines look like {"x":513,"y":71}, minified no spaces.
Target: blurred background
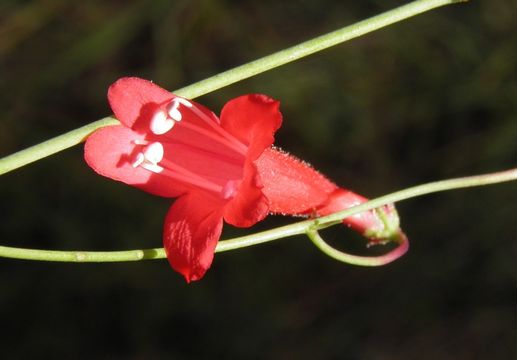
{"x":430,"y":98}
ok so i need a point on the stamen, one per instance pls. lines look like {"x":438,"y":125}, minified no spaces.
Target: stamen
{"x":152,"y":167}
{"x":232,"y":161}
{"x":183,"y":101}
{"x":174,"y":113}
{"x":140,"y":142}
{"x":179,"y":172}
{"x":160,"y":124}
{"x":154,"y":153}
{"x":231,"y":140}
{"x":237,"y":146}
{"x":173,"y":108}
{"x":150,"y":158}
{"x":139,"y":160}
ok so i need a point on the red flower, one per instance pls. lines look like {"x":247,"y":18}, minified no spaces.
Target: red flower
{"x":219,"y":168}
{"x":294,"y":188}
{"x":173,"y":147}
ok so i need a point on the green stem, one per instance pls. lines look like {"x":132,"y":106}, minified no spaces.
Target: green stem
{"x":432,"y":187}
{"x":401,"y":249}
{"x":239,"y":73}
{"x":311,"y":46}
{"x":302,"y":227}
{"x":52,"y":146}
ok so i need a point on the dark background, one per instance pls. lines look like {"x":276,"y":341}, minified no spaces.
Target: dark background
{"x":430,"y":98}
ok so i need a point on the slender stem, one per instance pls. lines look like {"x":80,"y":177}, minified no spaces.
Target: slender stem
{"x":310,"y":47}
{"x":52,"y":146}
{"x":424,"y":189}
{"x":391,"y":256}
{"x":239,"y":73}
{"x":302,"y":227}
{"x":81,"y":256}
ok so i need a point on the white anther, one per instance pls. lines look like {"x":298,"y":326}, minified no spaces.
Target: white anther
{"x":183,"y":101}
{"x":174,"y":113}
{"x":160,"y":124}
{"x":152,"y":167}
{"x":150,"y":157}
{"x":140,"y":158}
{"x":154,"y":153}
{"x":140,"y":142}
{"x":173,"y":108}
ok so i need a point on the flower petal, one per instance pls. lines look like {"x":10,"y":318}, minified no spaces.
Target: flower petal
{"x":132,"y":98}
{"x":252,"y":119}
{"x":110,"y":152}
{"x":250,"y":205}
{"x":292,"y":187}
{"x":192,"y":228}
{"x":367,"y":222}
